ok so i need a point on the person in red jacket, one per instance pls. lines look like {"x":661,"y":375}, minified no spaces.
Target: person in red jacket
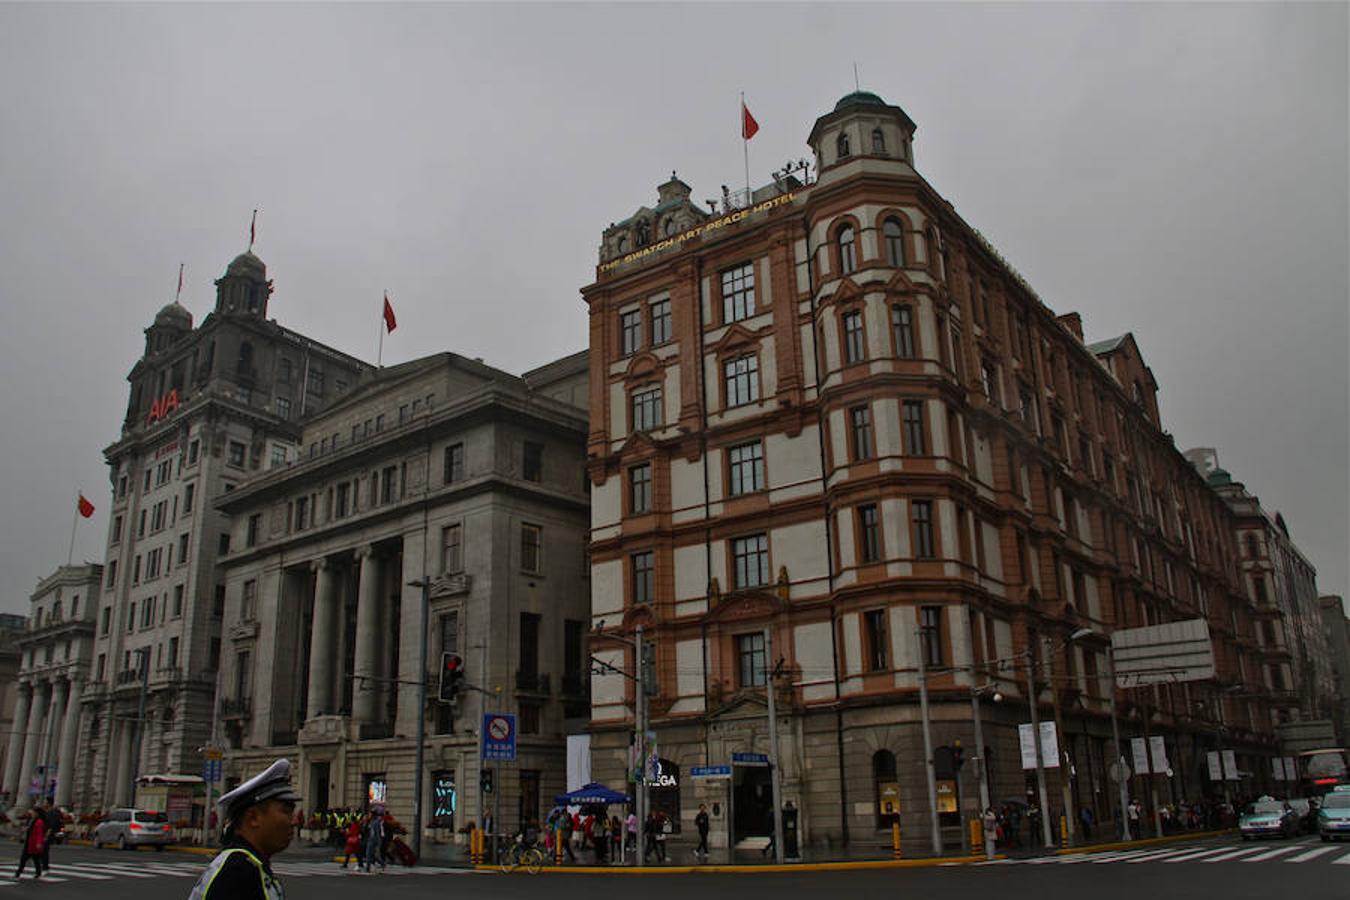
{"x":353,"y":845}
{"x":34,"y":842}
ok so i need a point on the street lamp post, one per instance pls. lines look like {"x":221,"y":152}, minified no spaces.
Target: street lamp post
{"x":1120,"y":767}
{"x":775,"y":780}
{"x":981,"y":770}
{"x":143,"y":657}
{"x":640,"y":726}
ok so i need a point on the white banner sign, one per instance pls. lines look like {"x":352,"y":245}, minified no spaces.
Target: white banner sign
{"x":1158,"y":747}
{"x":1212,"y":757}
{"x":1277,"y":769}
{"x":1140,"y":756}
{"x":1230,"y":765}
{"x":1290,"y":769}
{"x":1049,"y":745}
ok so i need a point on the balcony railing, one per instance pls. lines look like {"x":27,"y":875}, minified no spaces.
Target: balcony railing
{"x":532,"y":682}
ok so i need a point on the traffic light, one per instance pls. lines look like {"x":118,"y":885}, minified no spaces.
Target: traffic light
{"x":485,"y":781}
{"x":452,"y":676}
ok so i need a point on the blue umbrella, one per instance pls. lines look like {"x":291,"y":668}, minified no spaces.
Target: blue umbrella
{"x":593,"y":793}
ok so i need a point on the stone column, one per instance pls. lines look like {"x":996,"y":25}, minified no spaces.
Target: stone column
{"x":321,"y":656}
{"x":52,"y":733}
{"x":367,"y":693}
{"x":123,"y":792}
{"x":112,"y":762}
{"x":409,"y":649}
{"x":65,"y":766}
{"x":32,"y":730}
{"x":14,"y":756}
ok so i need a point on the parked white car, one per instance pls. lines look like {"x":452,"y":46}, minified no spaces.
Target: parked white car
{"x":127,"y":829}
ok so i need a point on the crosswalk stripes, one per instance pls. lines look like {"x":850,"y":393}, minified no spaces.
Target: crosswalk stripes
{"x":1271,"y":854}
{"x":1311,"y":854}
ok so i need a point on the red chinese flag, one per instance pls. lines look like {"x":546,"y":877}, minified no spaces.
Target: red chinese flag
{"x":748,"y":124}
{"x":390,"y":323}
{"x":85,"y":507}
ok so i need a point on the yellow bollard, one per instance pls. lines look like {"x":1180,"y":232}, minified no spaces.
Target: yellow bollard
{"x":976,"y":835}
{"x":557,"y":846}
{"x":895,"y":838}
{"x":1064,"y":831}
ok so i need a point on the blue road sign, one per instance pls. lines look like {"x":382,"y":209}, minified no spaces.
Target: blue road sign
{"x":211,"y":770}
{"x":499,"y":737}
{"x":710,"y":771}
{"x":750,"y":759}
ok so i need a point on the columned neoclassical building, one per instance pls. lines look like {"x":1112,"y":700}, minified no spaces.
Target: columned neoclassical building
{"x":57,"y":650}
{"x":442,"y":470}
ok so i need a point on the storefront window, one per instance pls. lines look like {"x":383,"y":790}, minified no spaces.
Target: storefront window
{"x":887,"y":788}
{"x":444,"y":800}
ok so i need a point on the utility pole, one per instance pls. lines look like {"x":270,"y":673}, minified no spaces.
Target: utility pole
{"x":1121,"y":768}
{"x":420,"y":763}
{"x":928,"y":747}
{"x":981,"y":771}
{"x":640,"y":786}
{"x":1065,"y":770}
{"x":1033,"y":700}
{"x":774,"y":780}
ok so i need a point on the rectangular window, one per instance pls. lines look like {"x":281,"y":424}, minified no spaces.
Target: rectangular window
{"x":177,"y":600}
{"x":532,"y":468}
{"x":574,"y":642}
{"x":112,"y":573}
{"x":750,"y":557}
{"x":248,"y":604}
{"x":131,"y":617}
{"x":301,"y":513}
{"x":388,"y":484}
{"x":644,"y":577}
{"x":854,"y":349}
{"x":630,"y":327}
{"x":529,"y":647}
{"x":989,"y":380}
{"x":279,"y":455}
{"x":646,"y":409}
{"x":284,"y":407}
{"x":105,"y":620}
{"x":661,"y":330}
{"x":860,"y":419}
{"x":751,"y":655}
{"x":869,"y":532}
{"x":243,"y":669}
{"x":284,"y":371}
{"x":194,"y":449}
{"x":454,"y":463}
{"x":640,"y":489}
{"x":146,"y":487}
{"x":116,"y":529}
{"x":254,"y":524}
{"x":449,"y":630}
{"x":140,"y":525}
{"x":529,"y":718}
{"x":173,"y":653}
{"x":742,"y":380}
{"x":902,"y":330}
{"x":452,"y":549}
{"x":738,"y":293}
{"x":874,"y":628}
{"x":342,"y":499}
{"x":189,"y":494}
{"x":531,"y":547}
{"x":315,"y":382}
{"x":930,"y":631}
{"x":913,"y":417}
{"x":921,"y":517}
{"x":746,"y":464}
{"x":236,"y":457}
{"x":102,"y":667}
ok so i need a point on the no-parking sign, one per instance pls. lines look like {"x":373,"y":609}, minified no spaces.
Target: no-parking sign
{"x":499,"y":736}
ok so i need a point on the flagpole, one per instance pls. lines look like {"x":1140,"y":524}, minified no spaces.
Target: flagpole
{"x":379,"y":357}
{"x":745,"y":144}
{"x":74,"y":520}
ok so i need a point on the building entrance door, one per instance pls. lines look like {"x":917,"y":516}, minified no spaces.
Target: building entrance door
{"x":752,"y":802}
{"x":318,"y":786}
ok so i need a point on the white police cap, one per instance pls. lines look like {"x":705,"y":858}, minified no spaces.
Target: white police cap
{"x":272,"y":784}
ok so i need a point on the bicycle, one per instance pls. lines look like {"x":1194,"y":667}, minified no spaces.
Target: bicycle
{"x":521,"y":855}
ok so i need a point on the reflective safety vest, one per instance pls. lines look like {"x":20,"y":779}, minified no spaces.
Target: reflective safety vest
{"x":271,"y":887}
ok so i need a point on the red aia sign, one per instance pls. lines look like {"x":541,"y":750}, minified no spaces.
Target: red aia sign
{"x":162,"y":407}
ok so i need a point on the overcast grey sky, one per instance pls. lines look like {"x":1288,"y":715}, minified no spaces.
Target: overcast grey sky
{"x":1176,"y":171}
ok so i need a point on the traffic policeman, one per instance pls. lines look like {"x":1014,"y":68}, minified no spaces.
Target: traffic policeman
{"x":257,"y":817}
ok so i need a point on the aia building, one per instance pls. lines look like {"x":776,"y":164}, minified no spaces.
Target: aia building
{"x":829,"y":409}
{"x":208,"y":406}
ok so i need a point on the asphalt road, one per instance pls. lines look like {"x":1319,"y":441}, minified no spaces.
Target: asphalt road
{"x":1227,"y":868}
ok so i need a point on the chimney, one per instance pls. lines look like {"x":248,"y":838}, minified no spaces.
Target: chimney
{"x":1074,"y":322}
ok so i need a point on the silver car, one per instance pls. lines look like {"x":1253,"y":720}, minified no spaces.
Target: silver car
{"x":130,"y":828}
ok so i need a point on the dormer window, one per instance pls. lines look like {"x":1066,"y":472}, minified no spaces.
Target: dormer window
{"x":878,"y":142}
{"x":841,"y":145}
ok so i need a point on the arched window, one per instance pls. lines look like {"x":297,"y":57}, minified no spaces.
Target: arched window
{"x":848,"y":261}
{"x":887,"y":787}
{"x":878,"y":141}
{"x":894,"y":235}
{"x":56,"y":611}
{"x":841,"y":145}
{"x":1252,"y":551}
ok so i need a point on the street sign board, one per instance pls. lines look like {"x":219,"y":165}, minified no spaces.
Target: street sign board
{"x":710,"y":771}
{"x":749,"y":759}
{"x":211,"y":769}
{"x":1049,"y":745}
{"x":499,"y":736}
{"x":1163,"y":654}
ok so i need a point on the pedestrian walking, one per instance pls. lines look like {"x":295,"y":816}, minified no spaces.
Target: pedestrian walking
{"x":352,"y":843}
{"x":257,"y":817}
{"x":34,"y":843}
{"x":615,"y":839}
{"x":54,"y":823}
{"x":374,"y":841}
{"x":701,"y":823}
{"x":1134,"y":810}
{"x":631,"y":827}
{"x":1087,"y":819}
